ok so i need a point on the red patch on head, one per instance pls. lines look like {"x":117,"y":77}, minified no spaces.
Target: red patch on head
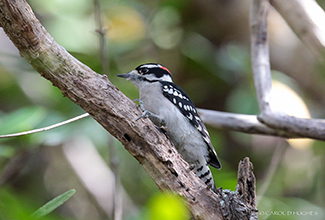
{"x":164,"y":68}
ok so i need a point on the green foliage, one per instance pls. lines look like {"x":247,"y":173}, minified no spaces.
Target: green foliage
{"x":53,"y":204}
{"x":13,"y":206}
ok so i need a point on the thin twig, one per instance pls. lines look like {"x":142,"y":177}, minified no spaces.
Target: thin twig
{"x":45,"y":128}
{"x":275,"y":161}
{"x":113,"y":164}
{"x":101,"y":30}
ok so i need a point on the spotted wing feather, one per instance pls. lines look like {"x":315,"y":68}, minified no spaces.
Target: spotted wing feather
{"x":181,"y":100}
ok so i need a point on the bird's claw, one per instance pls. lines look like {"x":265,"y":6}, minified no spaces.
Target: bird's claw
{"x":145,"y":114}
{"x":141,"y":106}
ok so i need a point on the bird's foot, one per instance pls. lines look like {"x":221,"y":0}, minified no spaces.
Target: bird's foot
{"x":153,"y":117}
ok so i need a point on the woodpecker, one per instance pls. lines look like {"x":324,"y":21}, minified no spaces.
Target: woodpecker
{"x":166,"y":104}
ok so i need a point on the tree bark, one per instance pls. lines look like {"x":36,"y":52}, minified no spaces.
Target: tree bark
{"x":117,"y":114}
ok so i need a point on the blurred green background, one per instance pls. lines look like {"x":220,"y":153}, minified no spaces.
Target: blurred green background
{"x":205,"y":44}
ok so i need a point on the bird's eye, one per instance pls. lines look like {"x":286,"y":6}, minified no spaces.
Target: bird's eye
{"x":144,"y":70}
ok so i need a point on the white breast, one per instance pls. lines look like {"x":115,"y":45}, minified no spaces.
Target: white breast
{"x":184,"y":136}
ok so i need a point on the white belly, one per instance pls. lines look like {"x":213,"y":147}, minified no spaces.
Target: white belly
{"x":184,"y":136}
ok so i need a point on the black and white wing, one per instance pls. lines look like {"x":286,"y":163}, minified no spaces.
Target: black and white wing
{"x":181,"y":100}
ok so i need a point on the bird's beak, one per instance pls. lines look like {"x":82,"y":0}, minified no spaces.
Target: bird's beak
{"x":129,"y":76}
{"x":126,"y":75}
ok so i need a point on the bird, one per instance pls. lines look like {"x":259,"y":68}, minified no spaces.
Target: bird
{"x":167,"y":105}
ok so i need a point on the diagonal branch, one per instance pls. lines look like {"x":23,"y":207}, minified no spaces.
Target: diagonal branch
{"x":306,"y":19}
{"x":117,"y":114}
{"x":311,"y":128}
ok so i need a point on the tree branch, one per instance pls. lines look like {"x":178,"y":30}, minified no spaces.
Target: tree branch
{"x":117,"y":114}
{"x":306,"y":19}
{"x":260,"y":53}
{"x":240,"y":122}
{"x":244,"y":194}
{"x":311,"y":128}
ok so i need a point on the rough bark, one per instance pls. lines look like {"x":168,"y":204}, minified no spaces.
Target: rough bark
{"x":237,"y":205}
{"x":117,"y":114}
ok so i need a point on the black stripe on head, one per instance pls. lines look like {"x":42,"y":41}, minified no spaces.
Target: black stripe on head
{"x":153,"y":68}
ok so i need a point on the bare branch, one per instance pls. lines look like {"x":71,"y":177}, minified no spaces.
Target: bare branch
{"x":117,"y":114}
{"x":45,"y":128}
{"x":240,"y":122}
{"x":221,"y":120}
{"x":303,"y":127}
{"x":260,"y":53}
{"x":306,"y":18}
{"x":311,"y":128}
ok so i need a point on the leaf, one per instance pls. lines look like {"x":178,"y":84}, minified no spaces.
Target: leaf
{"x":53,"y":204}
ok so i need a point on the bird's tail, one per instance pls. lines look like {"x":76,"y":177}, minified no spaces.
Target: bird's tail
{"x":204,"y":173}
